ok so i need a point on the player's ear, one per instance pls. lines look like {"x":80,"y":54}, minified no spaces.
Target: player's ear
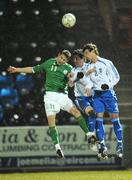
{"x":58,"y":54}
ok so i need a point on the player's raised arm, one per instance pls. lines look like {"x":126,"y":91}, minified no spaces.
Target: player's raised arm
{"x":90,"y":71}
{"x":12,"y":69}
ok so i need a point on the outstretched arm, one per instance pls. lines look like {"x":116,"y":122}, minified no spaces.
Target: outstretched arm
{"x":12,"y":69}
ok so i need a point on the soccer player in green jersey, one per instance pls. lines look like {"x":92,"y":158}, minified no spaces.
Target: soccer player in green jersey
{"x":57,"y":70}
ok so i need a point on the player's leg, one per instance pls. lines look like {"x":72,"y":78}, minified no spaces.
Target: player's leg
{"x":99,"y":108}
{"x":91,"y":118}
{"x":68,"y":106}
{"x":100,"y":130}
{"x":80,"y":119}
{"x":52,"y":108}
{"x":54,"y":134}
{"x":113,"y":109}
{"x":91,"y":122}
{"x":100,"y":133}
{"x":83,"y":104}
{"x":118,"y":132}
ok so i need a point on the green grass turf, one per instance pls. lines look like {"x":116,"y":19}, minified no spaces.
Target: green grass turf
{"x":72,"y":175}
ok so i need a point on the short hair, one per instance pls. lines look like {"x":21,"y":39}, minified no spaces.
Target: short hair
{"x":78,"y":52}
{"x":91,"y":47}
{"x":66,"y":53}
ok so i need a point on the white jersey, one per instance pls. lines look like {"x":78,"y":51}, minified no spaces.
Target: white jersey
{"x":81,"y":85}
{"x":105,"y":73}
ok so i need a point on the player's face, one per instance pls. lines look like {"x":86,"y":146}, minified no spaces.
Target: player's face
{"x":78,"y":61}
{"x":89,"y":54}
{"x":61,"y":59}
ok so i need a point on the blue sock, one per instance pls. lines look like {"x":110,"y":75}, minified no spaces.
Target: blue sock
{"x":91,"y":123}
{"x":100,"y":132}
{"x":117,"y":129}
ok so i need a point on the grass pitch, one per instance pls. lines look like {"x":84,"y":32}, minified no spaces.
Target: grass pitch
{"x":72,"y":175}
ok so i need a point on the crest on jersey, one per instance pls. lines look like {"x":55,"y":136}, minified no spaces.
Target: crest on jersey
{"x":65,"y":72}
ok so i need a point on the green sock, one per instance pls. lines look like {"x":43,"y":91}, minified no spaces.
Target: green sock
{"x":82,"y":124}
{"x":54,"y":135}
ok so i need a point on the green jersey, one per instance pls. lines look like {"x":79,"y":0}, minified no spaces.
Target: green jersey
{"x":56,"y":75}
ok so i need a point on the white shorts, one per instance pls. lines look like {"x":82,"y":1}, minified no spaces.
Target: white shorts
{"x":55,"y":101}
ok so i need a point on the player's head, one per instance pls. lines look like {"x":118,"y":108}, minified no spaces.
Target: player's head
{"x":90,"y":51}
{"x":63,"y":57}
{"x":78,"y":57}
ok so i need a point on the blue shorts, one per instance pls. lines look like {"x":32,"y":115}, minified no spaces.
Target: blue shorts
{"x":105,"y":101}
{"x":82,"y":102}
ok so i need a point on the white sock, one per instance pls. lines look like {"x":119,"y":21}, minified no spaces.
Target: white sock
{"x":119,"y":141}
{"x":102,"y":142}
{"x":90,"y":134}
{"x":57,"y":146}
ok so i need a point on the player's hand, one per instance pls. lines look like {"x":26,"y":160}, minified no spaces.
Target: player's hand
{"x":104,"y":87}
{"x":90,"y":71}
{"x":70,"y":75}
{"x":12,"y":69}
{"x":80,"y":75}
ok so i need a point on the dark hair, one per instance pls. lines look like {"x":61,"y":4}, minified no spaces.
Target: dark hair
{"x":91,"y":47}
{"x":78,"y":52}
{"x":66,"y":53}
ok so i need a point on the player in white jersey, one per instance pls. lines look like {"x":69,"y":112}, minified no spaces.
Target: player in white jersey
{"x":83,"y":92}
{"x":104,"y":78}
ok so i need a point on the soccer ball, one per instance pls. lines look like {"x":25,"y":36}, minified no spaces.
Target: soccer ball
{"x":68,"y":20}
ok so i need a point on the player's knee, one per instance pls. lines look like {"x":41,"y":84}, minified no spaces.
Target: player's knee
{"x":92,"y":113}
{"x":114,"y":116}
{"x":88,"y":109}
{"x":100,"y":115}
{"x":51,"y":120}
{"x":75,"y":112}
